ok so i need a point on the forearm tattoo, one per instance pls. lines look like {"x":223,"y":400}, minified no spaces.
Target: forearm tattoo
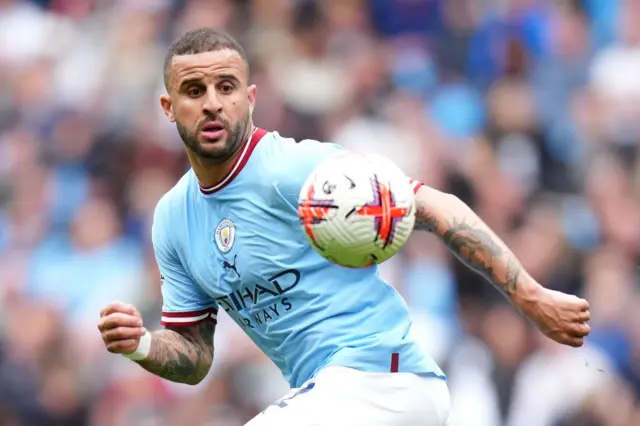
{"x":181,"y":354}
{"x":471,"y":241}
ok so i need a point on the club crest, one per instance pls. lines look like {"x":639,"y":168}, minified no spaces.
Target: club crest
{"x":225,"y":235}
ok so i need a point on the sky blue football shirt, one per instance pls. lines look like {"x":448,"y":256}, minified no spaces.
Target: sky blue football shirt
{"x":239,"y":247}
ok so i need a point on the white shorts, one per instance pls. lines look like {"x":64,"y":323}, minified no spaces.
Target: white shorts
{"x":341,"y":396}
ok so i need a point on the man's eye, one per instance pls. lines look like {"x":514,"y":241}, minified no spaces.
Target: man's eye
{"x":194,"y":92}
{"x":226,"y":88}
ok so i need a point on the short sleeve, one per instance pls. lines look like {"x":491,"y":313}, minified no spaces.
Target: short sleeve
{"x":184,"y":303}
{"x":415,"y":184}
{"x":302,"y":158}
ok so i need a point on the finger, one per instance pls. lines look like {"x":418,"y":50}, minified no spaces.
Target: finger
{"x":584,"y":305}
{"x":122,"y":333}
{"x":114,"y":307}
{"x":580,"y":330}
{"x":583,"y":316}
{"x":119,"y":320}
{"x":123,"y":346}
{"x":573,"y":341}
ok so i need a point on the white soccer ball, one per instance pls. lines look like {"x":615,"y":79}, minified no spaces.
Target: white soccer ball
{"x":357,"y":210}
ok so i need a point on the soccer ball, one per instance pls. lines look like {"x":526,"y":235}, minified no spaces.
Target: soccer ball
{"x":357,"y":210}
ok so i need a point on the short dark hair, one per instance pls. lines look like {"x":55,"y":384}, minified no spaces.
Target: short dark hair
{"x":201,"y":40}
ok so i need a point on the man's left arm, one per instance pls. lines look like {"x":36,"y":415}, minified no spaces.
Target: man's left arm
{"x":559,"y":316}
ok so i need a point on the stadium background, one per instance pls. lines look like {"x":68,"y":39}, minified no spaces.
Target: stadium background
{"x":528,"y":110}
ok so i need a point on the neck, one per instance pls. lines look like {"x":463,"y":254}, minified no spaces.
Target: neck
{"x":210,"y":173}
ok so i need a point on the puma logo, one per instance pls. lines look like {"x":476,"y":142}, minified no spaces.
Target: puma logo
{"x":232,"y":266}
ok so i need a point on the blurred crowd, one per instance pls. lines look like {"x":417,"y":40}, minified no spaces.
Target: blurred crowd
{"x":528,"y":110}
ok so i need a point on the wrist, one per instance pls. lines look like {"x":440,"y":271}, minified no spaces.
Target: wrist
{"x":143,"y":349}
{"x":527,"y":292}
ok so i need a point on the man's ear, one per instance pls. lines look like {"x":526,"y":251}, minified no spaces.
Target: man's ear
{"x":167,"y":107}
{"x":251,"y":93}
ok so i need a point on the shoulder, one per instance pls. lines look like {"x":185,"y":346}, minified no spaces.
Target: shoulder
{"x":287,"y":158}
{"x":287,"y":163}
{"x":306,"y":148}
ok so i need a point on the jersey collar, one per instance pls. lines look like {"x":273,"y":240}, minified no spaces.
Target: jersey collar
{"x":238,"y":164}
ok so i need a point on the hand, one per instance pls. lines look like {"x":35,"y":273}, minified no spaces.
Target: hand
{"x":121,"y":327}
{"x":560,"y":317}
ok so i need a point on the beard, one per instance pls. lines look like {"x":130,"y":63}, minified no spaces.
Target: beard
{"x":235,"y":139}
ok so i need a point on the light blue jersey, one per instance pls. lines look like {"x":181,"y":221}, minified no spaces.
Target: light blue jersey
{"x":239,"y":247}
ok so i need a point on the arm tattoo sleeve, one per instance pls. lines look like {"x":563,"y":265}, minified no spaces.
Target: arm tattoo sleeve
{"x":181,"y":354}
{"x":471,"y":241}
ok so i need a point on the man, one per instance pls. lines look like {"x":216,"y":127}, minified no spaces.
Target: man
{"x":228,"y":235}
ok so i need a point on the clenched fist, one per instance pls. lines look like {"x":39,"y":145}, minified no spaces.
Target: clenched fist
{"x":121,"y":327}
{"x":561,"y":317}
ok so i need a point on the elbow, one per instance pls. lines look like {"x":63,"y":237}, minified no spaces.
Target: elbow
{"x":199,"y":377}
{"x":201,"y":372}
{"x":195,"y":380}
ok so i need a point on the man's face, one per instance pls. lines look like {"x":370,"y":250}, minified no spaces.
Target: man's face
{"x":210,"y":102}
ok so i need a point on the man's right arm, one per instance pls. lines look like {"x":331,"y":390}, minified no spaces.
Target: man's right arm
{"x":181,"y":354}
{"x":183,"y":351}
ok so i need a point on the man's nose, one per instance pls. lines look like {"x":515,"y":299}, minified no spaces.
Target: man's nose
{"x":212,"y":104}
